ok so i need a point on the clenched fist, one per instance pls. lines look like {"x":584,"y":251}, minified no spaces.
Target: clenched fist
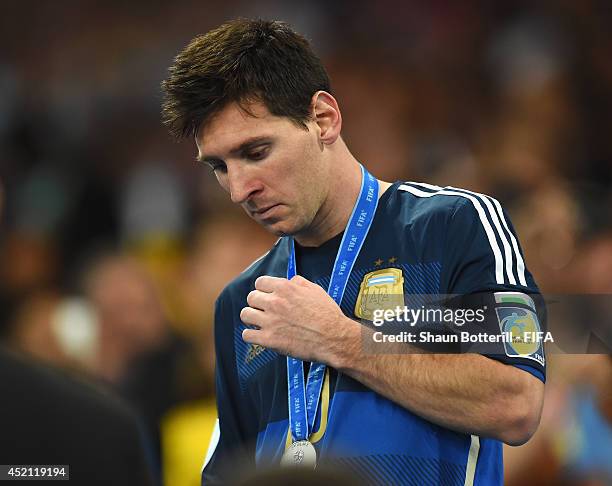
{"x":298,"y":318}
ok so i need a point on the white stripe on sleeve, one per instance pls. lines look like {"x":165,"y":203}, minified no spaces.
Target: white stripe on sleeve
{"x":496,"y":215}
{"x":520,"y":263}
{"x":500,"y":232}
{"x":499,"y":266}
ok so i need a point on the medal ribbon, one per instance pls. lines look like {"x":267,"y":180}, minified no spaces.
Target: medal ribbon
{"x":304,"y":398}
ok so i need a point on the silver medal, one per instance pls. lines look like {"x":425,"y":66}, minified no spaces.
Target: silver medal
{"x":300,"y":454}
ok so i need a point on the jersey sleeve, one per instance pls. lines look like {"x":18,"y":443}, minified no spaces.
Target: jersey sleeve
{"x":230,"y":443}
{"x":484,"y":263}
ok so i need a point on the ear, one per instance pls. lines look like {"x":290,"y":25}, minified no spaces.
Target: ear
{"x":326,"y":114}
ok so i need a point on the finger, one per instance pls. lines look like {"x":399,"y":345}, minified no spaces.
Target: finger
{"x":252,"y":317}
{"x":298,"y":279}
{"x":258,"y":299}
{"x":252,"y":336}
{"x":267,"y":283}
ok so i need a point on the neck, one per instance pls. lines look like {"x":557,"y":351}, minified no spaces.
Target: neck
{"x":334,"y":213}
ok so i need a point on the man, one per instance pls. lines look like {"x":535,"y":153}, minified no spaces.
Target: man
{"x":48,"y":418}
{"x":259,"y":105}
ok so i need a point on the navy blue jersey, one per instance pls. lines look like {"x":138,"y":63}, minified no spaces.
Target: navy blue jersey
{"x":433,"y":241}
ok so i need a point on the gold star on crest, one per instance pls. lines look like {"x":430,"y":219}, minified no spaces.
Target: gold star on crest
{"x":392,"y":260}
{"x":378,"y":262}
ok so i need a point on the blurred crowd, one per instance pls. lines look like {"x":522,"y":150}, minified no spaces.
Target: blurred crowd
{"x":114,"y":242}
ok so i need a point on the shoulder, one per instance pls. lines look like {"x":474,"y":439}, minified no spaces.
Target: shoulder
{"x":447,"y":198}
{"x":418,"y":204}
{"x":426,"y":200}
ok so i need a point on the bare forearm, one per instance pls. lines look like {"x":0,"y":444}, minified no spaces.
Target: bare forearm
{"x":467,"y":393}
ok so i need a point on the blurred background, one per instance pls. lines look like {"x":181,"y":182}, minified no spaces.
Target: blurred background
{"x":114,"y":243}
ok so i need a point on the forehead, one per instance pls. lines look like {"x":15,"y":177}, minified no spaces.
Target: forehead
{"x":233,"y":125}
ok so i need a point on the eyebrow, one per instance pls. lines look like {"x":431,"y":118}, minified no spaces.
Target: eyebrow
{"x":243,"y":147}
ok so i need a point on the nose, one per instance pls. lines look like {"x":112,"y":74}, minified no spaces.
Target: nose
{"x":241,"y":184}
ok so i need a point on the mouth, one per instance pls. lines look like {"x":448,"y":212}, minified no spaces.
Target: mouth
{"x":265,"y":212}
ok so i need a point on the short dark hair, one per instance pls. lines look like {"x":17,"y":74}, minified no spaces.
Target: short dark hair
{"x":242,"y":61}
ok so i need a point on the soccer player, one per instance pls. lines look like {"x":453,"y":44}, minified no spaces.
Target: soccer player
{"x":258,"y":103}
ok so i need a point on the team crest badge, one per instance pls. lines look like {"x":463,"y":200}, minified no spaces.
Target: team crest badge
{"x":381,"y":289}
